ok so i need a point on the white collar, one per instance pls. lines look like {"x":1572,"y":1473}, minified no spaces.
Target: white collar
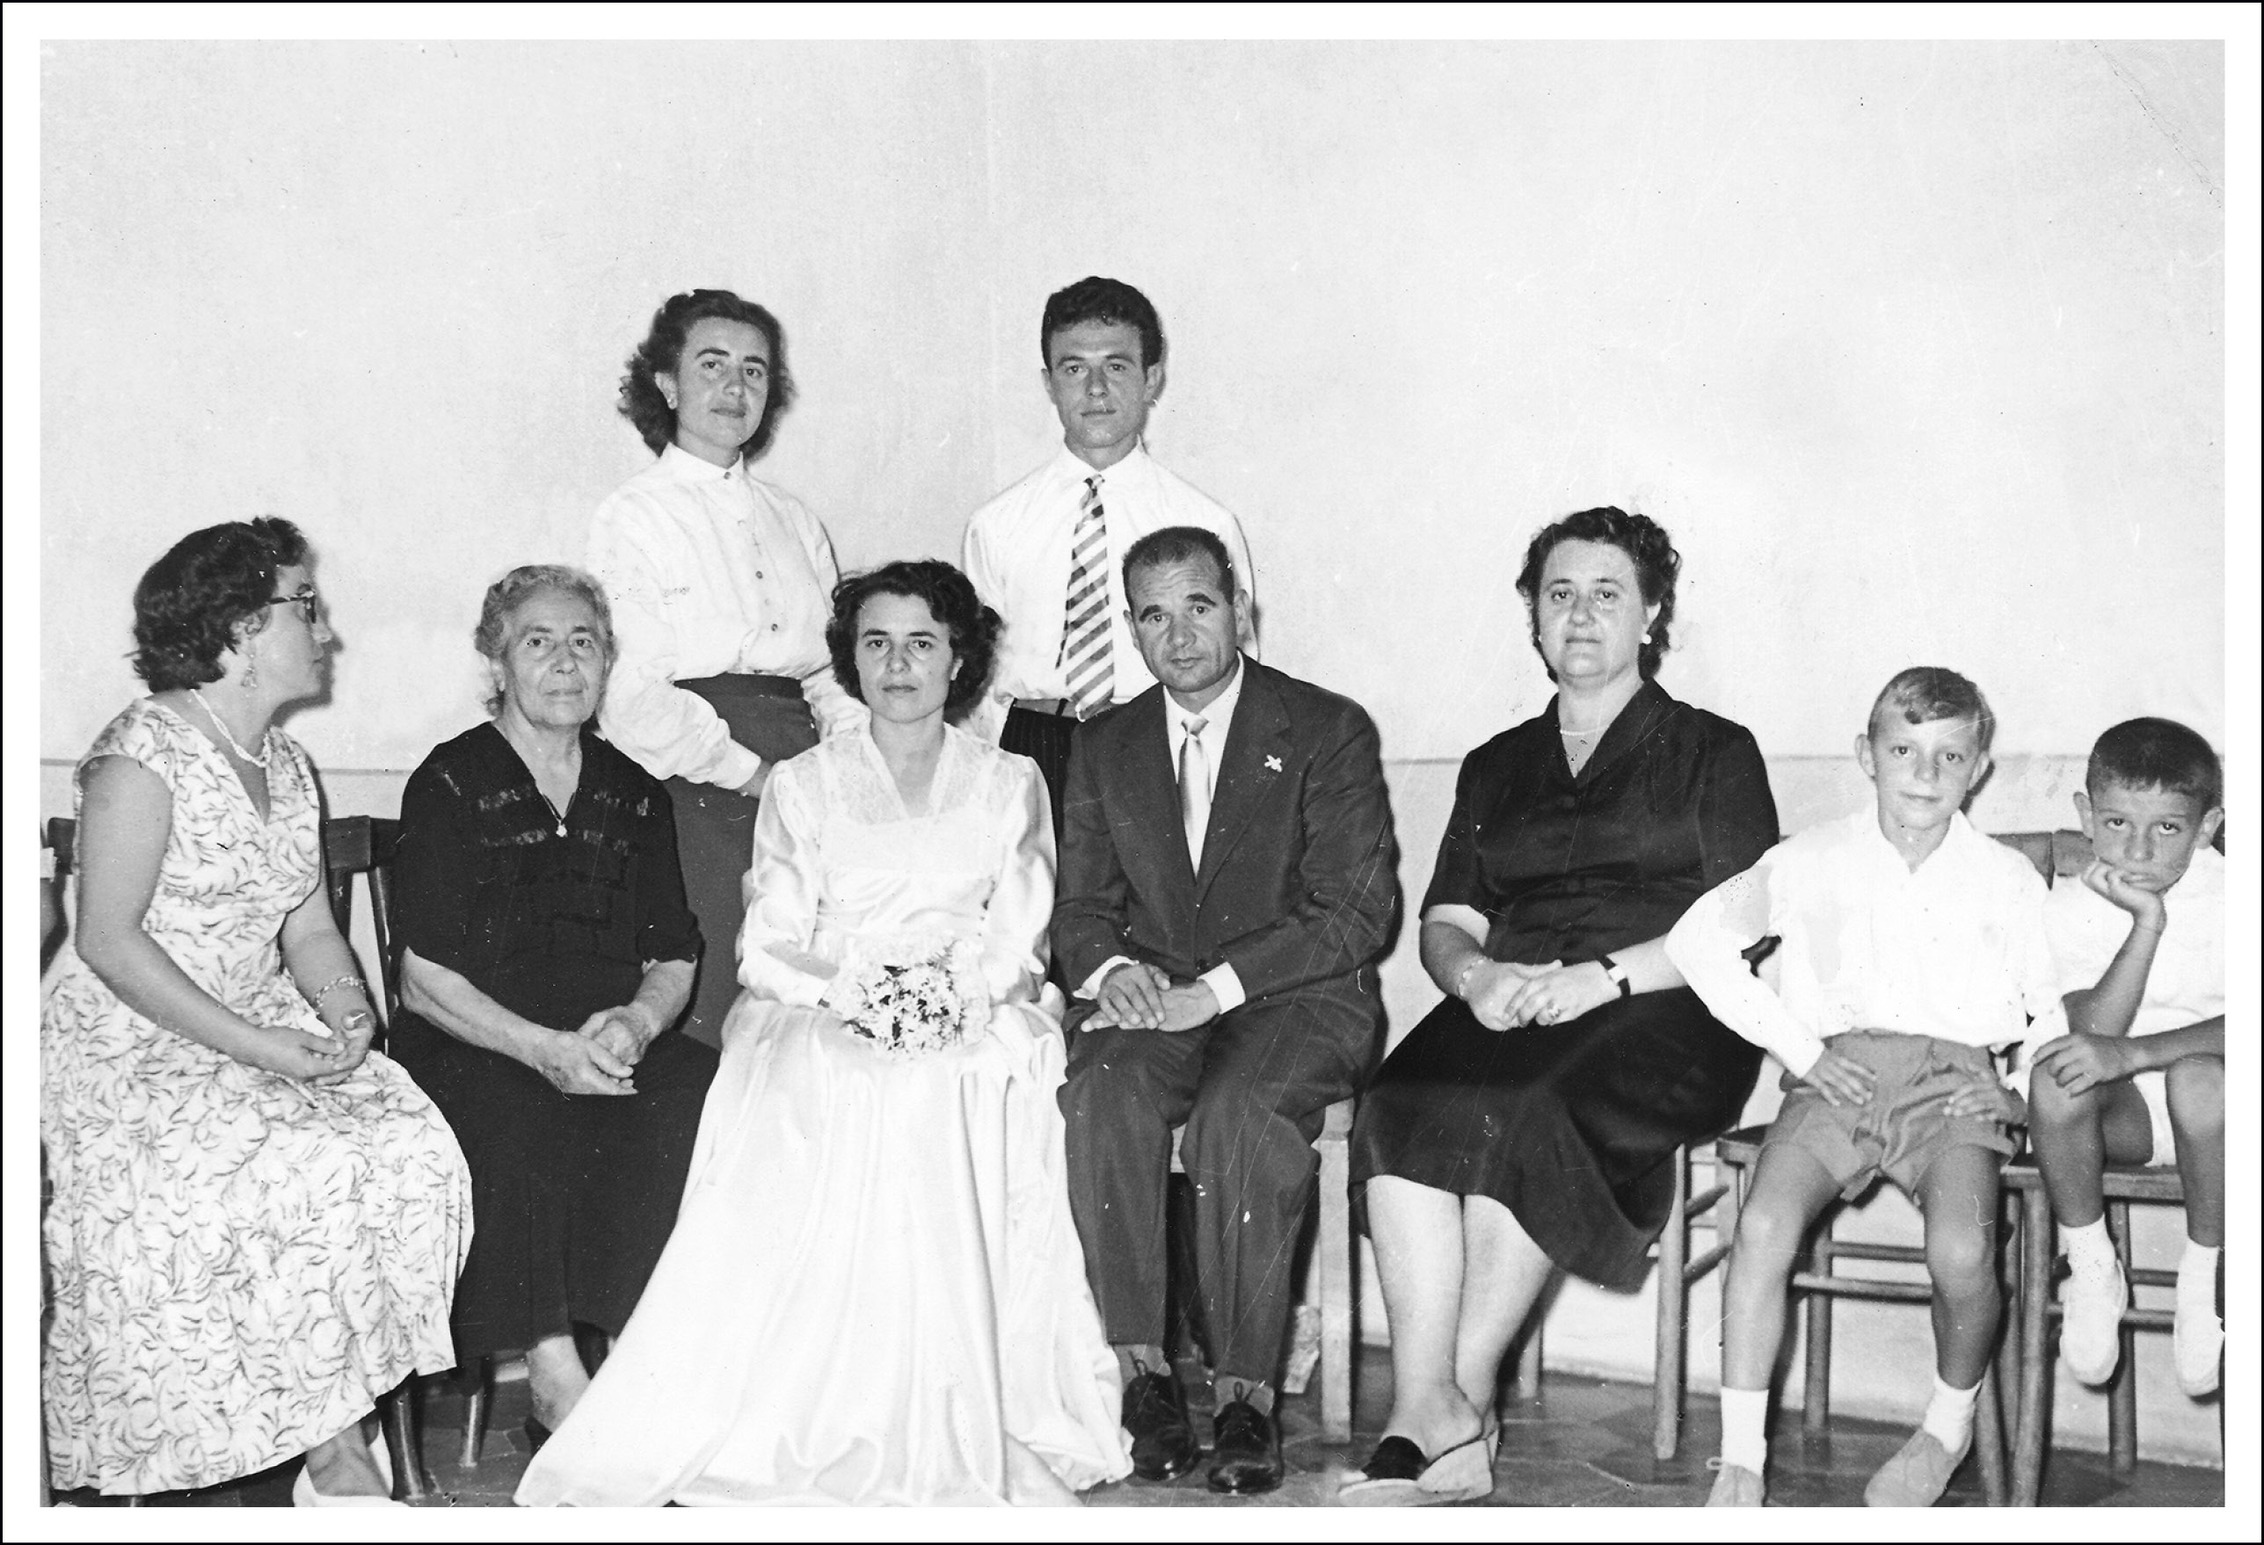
{"x":684,"y":467}
{"x":1068,"y":467}
{"x":1216,"y":715}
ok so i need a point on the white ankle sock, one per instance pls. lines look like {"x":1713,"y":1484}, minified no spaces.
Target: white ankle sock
{"x":1745,"y":1428}
{"x":2088,"y":1246}
{"x":2197,"y":1279}
{"x":1949,"y":1415}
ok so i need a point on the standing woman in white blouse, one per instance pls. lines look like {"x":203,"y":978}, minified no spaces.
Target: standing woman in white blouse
{"x":721,"y":585}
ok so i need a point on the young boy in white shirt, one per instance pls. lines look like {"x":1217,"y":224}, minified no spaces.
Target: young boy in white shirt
{"x":1912,"y":947}
{"x":2140,"y":1076}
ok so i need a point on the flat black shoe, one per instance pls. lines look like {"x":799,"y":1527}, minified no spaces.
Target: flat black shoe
{"x":537,"y":1435}
{"x":1163,"y":1436}
{"x":1245,"y":1450}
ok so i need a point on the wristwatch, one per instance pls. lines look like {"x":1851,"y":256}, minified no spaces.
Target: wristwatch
{"x":1617,"y":973}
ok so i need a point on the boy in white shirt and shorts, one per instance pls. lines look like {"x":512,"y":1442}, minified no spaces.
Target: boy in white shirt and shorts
{"x":2140,"y":1076}
{"x":1912,"y":947}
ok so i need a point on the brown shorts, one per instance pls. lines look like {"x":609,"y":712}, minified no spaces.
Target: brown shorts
{"x":1902,"y":1130}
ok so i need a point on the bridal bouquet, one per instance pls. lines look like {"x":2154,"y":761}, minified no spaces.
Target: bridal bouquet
{"x":912,"y":996}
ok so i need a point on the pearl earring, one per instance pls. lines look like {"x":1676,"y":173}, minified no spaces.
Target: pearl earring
{"x":250,"y":678}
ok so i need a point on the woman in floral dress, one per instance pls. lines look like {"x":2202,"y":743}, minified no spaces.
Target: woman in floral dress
{"x":257,"y":1221}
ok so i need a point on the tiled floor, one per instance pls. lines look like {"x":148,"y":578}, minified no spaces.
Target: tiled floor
{"x":1580,"y":1443}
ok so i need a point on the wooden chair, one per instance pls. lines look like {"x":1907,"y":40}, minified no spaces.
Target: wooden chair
{"x":1819,"y":1284}
{"x":351,"y":845}
{"x":1332,"y":1249}
{"x":363,"y":845}
{"x":2038,"y":1308}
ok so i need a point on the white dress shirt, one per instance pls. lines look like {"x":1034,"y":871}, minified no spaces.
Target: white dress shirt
{"x":1223,"y":980}
{"x":2187,"y":981}
{"x":710,"y":572}
{"x":1953,"y":949}
{"x":1018,"y":555}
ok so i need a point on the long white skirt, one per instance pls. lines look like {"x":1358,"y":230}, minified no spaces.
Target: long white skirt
{"x":874,"y":1289}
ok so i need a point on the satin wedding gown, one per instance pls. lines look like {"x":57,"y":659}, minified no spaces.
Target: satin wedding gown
{"x":874,"y":1292}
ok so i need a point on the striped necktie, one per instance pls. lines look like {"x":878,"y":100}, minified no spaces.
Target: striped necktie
{"x":1084,"y":636}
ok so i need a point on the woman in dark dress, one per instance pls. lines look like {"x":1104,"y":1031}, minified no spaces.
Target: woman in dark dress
{"x":1527,"y":1124}
{"x":545,"y":950}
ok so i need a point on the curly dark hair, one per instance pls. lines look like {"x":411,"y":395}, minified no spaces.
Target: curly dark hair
{"x":1094,"y":299}
{"x":663,"y":350}
{"x":210,"y":586}
{"x":1644,"y":540}
{"x":951,"y":600}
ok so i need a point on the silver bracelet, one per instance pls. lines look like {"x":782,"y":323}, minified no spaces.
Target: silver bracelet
{"x":336,"y":982}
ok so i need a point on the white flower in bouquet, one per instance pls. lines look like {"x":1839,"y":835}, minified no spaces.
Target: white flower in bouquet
{"x":912,"y":996}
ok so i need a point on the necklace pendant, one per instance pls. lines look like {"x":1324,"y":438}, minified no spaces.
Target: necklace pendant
{"x":561,"y":828}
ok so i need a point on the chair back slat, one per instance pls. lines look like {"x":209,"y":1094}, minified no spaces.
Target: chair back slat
{"x":363,"y":845}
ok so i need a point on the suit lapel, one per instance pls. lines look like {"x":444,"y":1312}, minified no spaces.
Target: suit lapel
{"x":1257,"y":743}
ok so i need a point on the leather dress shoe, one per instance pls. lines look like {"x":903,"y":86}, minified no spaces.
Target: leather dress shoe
{"x":1245,"y":1450}
{"x":1163,"y":1436}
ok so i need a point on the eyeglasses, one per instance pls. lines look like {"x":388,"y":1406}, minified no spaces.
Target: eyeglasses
{"x":308,"y":602}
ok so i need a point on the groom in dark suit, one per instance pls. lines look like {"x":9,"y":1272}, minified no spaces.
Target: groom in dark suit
{"x":1227,"y":882}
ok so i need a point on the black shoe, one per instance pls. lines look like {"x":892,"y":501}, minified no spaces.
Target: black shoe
{"x":537,"y":1435}
{"x":1163,"y":1437}
{"x":1245,"y":1450}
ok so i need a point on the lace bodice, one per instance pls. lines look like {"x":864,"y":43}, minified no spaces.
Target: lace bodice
{"x":838,"y":859}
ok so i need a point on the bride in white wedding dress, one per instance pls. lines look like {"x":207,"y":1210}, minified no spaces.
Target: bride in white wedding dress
{"x":874,"y":1291}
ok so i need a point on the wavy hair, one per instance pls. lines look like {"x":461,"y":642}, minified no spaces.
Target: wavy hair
{"x":950,"y":596}
{"x":492,"y":636}
{"x":1644,"y":540}
{"x":663,"y":350}
{"x":211,"y":587}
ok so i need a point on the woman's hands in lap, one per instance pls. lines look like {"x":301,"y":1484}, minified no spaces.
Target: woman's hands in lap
{"x":297,"y":1055}
{"x":1504,"y":995}
{"x":624,"y":1032}
{"x":581,"y":1064}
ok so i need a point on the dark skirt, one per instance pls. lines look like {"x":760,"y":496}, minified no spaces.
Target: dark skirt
{"x":715,"y":832}
{"x":573,"y":1196}
{"x":1571,"y":1127}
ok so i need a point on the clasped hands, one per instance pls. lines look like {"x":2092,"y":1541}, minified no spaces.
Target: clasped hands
{"x":1138,"y":996}
{"x":1503,"y":994}
{"x":601,"y":1056}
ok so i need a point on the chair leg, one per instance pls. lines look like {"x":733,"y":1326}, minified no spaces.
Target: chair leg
{"x":2033,"y":1409}
{"x":1335,"y":1245}
{"x":2006,"y":1364}
{"x":1669,"y":1334}
{"x":2122,"y":1395}
{"x":1816,"y":1391}
{"x":477,"y":1402}
{"x":1989,"y":1439}
{"x":1532,"y":1352}
{"x":404,"y":1442}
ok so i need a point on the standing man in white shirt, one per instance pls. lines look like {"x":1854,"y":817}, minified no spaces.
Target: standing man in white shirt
{"x":1047,"y":554}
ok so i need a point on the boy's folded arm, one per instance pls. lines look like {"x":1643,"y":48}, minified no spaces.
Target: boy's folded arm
{"x":1707,"y":946}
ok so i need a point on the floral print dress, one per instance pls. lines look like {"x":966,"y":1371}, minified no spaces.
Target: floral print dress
{"x":240,"y":1262}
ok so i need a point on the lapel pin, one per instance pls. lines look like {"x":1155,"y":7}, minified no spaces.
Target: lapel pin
{"x":1273,"y":764}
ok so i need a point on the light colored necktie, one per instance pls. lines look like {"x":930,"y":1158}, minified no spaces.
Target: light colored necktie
{"x":1084,"y":635}
{"x":1194,"y":790}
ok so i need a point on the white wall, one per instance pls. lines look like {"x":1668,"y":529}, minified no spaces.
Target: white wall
{"x":1917,"y":349}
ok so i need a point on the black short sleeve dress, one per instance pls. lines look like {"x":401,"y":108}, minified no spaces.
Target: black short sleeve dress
{"x":1570,"y":1126}
{"x":554,"y":918}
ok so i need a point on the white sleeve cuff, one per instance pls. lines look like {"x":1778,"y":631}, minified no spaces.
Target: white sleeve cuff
{"x":1090,"y":987}
{"x":1226,"y":986}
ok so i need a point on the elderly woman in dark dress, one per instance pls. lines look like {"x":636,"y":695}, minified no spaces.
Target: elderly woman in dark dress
{"x":546,"y":948}
{"x":1527,"y":1124}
